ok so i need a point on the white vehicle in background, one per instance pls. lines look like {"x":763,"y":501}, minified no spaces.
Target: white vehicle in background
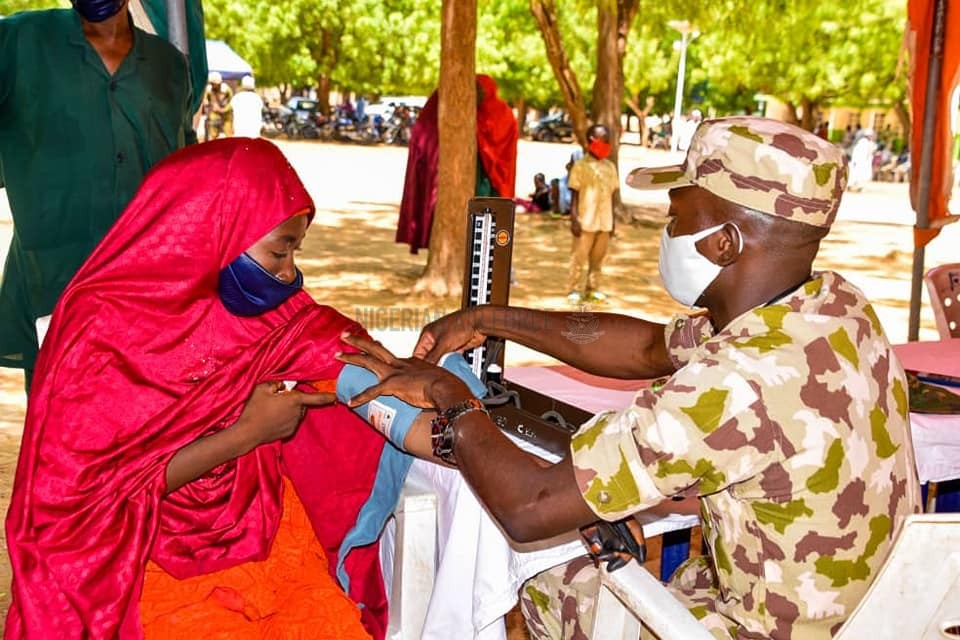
{"x":414,"y":102}
{"x":393,"y":116}
{"x":385,"y":106}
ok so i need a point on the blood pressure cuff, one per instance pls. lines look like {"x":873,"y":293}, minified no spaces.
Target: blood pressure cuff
{"x":389,"y":415}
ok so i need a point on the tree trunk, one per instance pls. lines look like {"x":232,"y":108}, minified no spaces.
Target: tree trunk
{"x":457,"y":165}
{"x":325,"y":52}
{"x":607,"y":92}
{"x":545,"y":13}
{"x":614,"y":18}
{"x":903,"y":115}
{"x":641,"y":114}
{"x":806,"y":120}
{"x":791,"y":113}
{"x":323,"y":94}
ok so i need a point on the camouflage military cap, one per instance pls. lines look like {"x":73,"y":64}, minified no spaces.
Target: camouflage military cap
{"x":763,"y":164}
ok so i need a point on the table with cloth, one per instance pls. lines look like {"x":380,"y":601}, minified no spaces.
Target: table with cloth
{"x":936,"y":437}
{"x":479,"y":571}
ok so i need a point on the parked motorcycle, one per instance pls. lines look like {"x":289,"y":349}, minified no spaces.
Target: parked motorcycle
{"x":273,"y":121}
{"x":396,"y":130}
{"x":299,"y":118}
{"x":344,"y":127}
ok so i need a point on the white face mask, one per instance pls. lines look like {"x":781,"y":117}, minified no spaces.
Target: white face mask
{"x":686,"y":273}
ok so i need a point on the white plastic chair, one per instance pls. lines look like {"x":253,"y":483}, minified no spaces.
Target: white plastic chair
{"x":414,"y":563}
{"x":631,"y":594}
{"x":916,"y":595}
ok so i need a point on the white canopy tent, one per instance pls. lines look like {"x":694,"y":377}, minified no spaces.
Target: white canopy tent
{"x":227,"y":62}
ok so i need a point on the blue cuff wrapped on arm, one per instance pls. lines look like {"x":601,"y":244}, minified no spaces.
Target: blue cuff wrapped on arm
{"x":392,"y":416}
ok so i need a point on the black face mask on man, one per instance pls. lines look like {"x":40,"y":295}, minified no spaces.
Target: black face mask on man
{"x":98,"y":10}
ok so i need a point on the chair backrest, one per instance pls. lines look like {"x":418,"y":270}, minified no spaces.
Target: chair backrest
{"x":409,"y":572}
{"x":631,"y":595}
{"x":943,"y":285}
{"x":916,"y":594}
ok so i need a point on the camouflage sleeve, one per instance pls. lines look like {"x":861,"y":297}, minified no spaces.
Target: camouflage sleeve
{"x":707,"y":425}
{"x":684,"y":334}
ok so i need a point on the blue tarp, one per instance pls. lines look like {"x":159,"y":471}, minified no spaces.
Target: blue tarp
{"x":220,"y":57}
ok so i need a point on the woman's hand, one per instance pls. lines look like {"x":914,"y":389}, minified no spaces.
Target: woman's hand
{"x":273,"y":413}
{"x":415,"y":381}
{"x":457,"y":331}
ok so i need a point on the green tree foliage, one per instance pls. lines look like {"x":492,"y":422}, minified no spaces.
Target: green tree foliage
{"x":807,"y":53}
{"x":509,"y":49}
{"x":359,"y":46}
{"x":650,"y":66}
{"x":9,"y":7}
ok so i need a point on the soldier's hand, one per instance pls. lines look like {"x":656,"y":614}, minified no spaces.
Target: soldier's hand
{"x":454,"y":332}
{"x":413,"y":380}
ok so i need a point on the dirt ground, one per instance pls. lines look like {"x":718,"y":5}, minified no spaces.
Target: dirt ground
{"x":350,"y":260}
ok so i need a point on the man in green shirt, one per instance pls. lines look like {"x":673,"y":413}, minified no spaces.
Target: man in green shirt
{"x":88,"y":103}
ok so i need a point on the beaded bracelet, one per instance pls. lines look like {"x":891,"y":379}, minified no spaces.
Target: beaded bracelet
{"x":441,"y":428}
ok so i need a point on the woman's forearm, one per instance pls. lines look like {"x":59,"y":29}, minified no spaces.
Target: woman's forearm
{"x":204,"y":454}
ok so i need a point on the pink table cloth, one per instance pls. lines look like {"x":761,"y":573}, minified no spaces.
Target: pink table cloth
{"x":936,"y":438}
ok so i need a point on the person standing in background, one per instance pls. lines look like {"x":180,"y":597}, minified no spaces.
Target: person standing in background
{"x":687,"y":128}
{"x":562,"y":201}
{"x":217,"y":108}
{"x":247,"y":108}
{"x":497,"y":136}
{"x":593,"y":186}
{"x":88,"y":104}
{"x":861,"y":160}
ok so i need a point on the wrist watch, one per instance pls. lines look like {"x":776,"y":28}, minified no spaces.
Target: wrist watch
{"x":441,"y":428}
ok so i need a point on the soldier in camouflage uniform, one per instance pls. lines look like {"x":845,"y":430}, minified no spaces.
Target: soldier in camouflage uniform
{"x":785,"y":411}
{"x":791,"y":420}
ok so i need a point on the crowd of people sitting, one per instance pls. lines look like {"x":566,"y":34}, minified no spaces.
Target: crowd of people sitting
{"x":551,"y":197}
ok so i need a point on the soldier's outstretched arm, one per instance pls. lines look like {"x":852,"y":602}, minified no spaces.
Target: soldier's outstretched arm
{"x":530,"y":499}
{"x":604,"y":344}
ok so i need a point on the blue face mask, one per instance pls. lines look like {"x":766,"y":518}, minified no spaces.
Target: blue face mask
{"x":247,"y":289}
{"x":98,"y":10}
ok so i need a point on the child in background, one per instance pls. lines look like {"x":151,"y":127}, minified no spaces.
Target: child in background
{"x":593,"y":184}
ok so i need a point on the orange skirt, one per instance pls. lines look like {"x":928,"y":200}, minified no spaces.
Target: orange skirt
{"x":288,"y":596}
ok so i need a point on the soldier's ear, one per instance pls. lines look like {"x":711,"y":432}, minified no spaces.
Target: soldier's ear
{"x":725,"y":245}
